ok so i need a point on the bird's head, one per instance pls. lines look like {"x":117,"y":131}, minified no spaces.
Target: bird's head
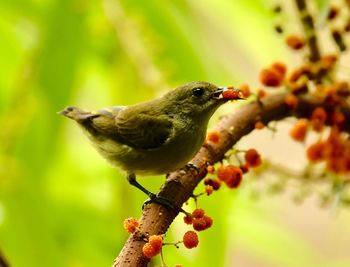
{"x":199,"y":98}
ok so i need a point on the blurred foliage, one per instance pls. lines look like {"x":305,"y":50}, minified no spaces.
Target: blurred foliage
{"x":60,"y":203}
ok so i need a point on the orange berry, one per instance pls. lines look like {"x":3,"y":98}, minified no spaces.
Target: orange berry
{"x":318,"y":118}
{"x":211,"y":169}
{"x":214,"y":137}
{"x":226,"y":172}
{"x":213,"y":183}
{"x":270,"y":77}
{"x":149,"y":251}
{"x":261,"y":93}
{"x":178,"y":265}
{"x":198,"y":213}
{"x":130,"y":225}
{"x":328,"y":61}
{"x":299,"y":130}
{"x":232,"y":94}
{"x":337,"y":165}
{"x":315,"y":152}
{"x":291,"y":101}
{"x":245,"y":90}
{"x":190,"y":239}
{"x":209,"y":190}
{"x":279,"y":67}
{"x":259,"y":125}
{"x":188,"y":219}
{"x":295,"y":42}
{"x":252,"y":158}
{"x":156,"y":241}
{"x":338,"y":118}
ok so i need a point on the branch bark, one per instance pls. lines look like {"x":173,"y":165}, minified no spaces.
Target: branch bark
{"x":180,"y":184}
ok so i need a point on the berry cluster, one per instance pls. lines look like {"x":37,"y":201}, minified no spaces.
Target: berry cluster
{"x":199,"y":221}
{"x":316,"y":78}
{"x":231,"y":175}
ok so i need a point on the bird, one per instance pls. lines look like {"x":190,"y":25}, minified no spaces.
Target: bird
{"x":153,"y":137}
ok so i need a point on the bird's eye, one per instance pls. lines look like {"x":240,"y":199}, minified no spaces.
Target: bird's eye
{"x":198,"y":92}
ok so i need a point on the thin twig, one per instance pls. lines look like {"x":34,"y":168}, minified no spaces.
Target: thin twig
{"x":309,"y":29}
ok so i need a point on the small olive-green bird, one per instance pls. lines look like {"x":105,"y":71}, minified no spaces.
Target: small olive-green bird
{"x":153,"y":137}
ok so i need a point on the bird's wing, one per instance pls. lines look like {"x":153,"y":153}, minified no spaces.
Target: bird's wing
{"x":143,"y":131}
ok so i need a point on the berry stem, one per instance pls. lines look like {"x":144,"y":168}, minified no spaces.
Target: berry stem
{"x":309,"y":30}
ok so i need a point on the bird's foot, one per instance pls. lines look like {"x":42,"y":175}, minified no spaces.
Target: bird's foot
{"x":153,"y":198}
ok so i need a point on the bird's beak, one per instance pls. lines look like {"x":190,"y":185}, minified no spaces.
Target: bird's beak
{"x":77,"y":114}
{"x":228,"y":93}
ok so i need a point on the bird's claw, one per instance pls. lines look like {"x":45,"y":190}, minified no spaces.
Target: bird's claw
{"x":153,"y":198}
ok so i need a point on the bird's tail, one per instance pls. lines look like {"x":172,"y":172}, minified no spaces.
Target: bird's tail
{"x":77,"y":114}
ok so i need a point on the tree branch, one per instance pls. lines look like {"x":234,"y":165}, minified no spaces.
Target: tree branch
{"x":3,"y":261}
{"x":180,"y":184}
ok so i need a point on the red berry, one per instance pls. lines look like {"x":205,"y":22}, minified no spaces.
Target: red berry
{"x":315,"y":152}
{"x":279,"y":67}
{"x":198,"y":213}
{"x":213,"y":183}
{"x":252,"y":158}
{"x":271,"y":77}
{"x":233,"y":182}
{"x":225,"y":172}
{"x":199,"y":224}
{"x":190,"y":239}
{"x":259,"y":125}
{"x":295,"y":42}
{"x":291,"y":101}
{"x":299,"y":130}
{"x":338,"y":118}
{"x":208,"y":220}
{"x":188,"y":219}
{"x":244,"y":168}
{"x":318,"y":118}
{"x":232,"y":94}
{"x":209,"y":190}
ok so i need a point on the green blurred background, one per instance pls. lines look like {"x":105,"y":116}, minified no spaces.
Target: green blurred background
{"x":63,"y":205}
